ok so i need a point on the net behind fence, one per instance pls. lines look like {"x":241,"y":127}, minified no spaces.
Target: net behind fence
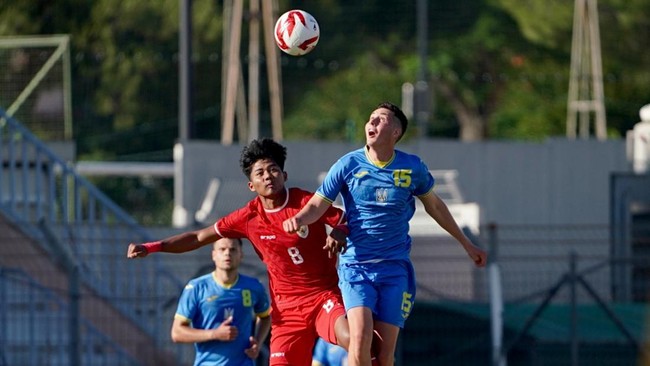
{"x":35,"y":86}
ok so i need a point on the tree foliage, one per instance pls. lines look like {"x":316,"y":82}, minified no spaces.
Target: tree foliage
{"x":624,"y":32}
{"x":498,"y":68}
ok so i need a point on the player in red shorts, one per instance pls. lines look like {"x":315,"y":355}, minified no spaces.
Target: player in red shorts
{"x":305,"y":299}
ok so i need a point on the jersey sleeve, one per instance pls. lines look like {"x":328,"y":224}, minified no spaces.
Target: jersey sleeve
{"x":423,"y":179}
{"x":187,"y":304}
{"x":333,"y":182}
{"x":332,"y":217}
{"x":233,"y":225}
{"x":262,"y":307}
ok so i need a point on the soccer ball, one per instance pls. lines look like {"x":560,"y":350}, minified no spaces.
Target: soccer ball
{"x":296,"y":32}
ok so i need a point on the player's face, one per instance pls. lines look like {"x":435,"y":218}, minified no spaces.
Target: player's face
{"x":267,"y":178}
{"x":381,"y":127}
{"x":227,"y":254}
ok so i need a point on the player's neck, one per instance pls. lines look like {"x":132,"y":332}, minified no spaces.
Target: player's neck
{"x":225,"y":278}
{"x":274,"y":201}
{"x":380,"y":153}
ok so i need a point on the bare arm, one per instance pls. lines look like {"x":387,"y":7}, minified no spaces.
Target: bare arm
{"x":336,"y":242}
{"x":310,"y":213}
{"x":180,"y":243}
{"x":439,"y":211}
{"x":262,"y":327}
{"x":182,"y":332}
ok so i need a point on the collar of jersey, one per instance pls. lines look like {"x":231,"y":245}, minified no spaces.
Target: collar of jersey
{"x":224,"y":285}
{"x":281,"y":207}
{"x":379,"y":164}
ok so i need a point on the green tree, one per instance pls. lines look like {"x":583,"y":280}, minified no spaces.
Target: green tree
{"x":624,"y":38}
{"x":339,"y":106}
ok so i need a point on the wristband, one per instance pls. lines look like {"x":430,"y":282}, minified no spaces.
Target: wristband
{"x":153,"y":247}
{"x":344,"y":228}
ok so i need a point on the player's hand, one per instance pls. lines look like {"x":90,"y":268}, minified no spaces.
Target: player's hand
{"x":136,"y":251}
{"x":478,"y":255}
{"x":225,"y":331}
{"x":291,"y":225}
{"x":335,"y":243}
{"x":254,"y":350}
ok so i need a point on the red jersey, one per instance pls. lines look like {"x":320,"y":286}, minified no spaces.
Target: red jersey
{"x":297,"y":263}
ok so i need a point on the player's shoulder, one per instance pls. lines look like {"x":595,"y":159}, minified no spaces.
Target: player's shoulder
{"x":249,"y":281}
{"x":198,"y":282}
{"x":407,"y":158}
{"x":351,"y":159}
{"x":299,"y":196}
{"x":354,"y":154}
{"x":400,"y":154}
{"x":295,"y":192}
{"x":244,"y":211}
{"x":249,"y":211}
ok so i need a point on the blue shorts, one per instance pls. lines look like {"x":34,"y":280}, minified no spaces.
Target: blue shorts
{"x":387,"y":288}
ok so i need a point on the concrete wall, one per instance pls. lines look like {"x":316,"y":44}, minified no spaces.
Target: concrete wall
{"x":552,"y":182}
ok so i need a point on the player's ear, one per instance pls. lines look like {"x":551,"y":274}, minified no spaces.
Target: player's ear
{"x":396,"y":133}
{"x":250,"y":186}
{"x":284,"y":174}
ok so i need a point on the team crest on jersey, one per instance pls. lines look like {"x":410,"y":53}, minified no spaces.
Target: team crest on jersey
{"x":381,"y":195}
{"x":303,"y":231}
{"x":228,"y":312}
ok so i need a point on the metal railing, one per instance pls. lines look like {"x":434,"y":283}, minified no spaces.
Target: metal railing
{"x":36,"y":186}
{"x":34,"y":319}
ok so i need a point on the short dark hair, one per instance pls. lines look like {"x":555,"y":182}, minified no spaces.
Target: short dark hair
{"x":398,"y":113}
{"x":236,"y":240}
{"x":262,"y":149}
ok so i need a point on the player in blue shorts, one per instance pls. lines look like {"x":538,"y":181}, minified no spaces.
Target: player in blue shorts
{"x":218,"y":312}
{"x":378,"y":184}
{"x":327,"y":354}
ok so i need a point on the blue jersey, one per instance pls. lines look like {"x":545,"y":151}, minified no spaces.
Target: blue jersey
{"x":327,"y":354}
{"x":379,"y":202}
{"x":206,"y":304}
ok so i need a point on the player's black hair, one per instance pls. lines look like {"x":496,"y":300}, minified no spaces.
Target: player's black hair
{"x":237,"y":240}
{"x":261,"y":149}
{"x":398,"y":113}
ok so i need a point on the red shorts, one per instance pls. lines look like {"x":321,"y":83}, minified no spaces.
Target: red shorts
{"x":297,"y":321}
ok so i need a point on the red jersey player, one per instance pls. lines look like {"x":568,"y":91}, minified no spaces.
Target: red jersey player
{"x":305,"y":298}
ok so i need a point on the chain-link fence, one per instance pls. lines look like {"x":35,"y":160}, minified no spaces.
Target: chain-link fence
{"x":35,"y":85}
{"x":558,"y":297}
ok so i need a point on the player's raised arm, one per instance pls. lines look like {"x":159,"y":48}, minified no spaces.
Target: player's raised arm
{"x":310,"y":213}
{"x":180,"y":243}
{"x":439,"y":211}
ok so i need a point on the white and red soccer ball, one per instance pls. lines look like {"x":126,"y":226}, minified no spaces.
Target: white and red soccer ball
{"x":296,"y":32}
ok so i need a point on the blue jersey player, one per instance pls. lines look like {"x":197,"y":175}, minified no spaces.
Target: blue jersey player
{"x":226,"y":314}
{"x":378,"y":184}
{"x":327,"y":354}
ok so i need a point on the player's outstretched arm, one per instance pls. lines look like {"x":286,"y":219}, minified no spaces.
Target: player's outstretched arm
{"x":180,"y":243}
{"x":439,"y":211}
{"x":310,"y":213}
